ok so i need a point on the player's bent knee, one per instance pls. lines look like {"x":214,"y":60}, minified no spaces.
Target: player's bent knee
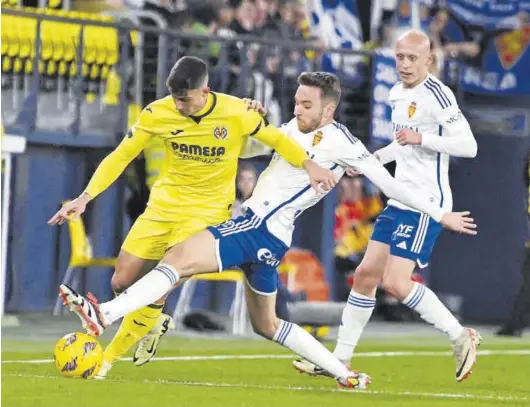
{"x":365,"y":279}
{"x":267,"y":329}
{"x":120,"y":282}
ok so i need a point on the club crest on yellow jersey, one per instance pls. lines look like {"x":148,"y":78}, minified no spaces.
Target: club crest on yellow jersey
{"x":220,"y":133}
{"x":412,"y":109}
{"x":317,"y":138}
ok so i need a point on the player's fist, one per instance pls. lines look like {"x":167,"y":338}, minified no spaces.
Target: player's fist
{"x":459,"y":222}
{"x":256,"y":106}
{"x":73,"y":209}
{"x":407,"y":136}
{"x":321,"y":179}
{"x":350,"y":172}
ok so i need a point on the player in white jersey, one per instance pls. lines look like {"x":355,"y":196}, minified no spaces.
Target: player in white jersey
{"x":258,"y":240}
{"x":428,"y":128}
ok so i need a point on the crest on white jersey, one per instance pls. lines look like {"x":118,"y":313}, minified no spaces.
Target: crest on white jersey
{"x":220,"y":133}
{"x":412,"y":109}
{"x":317,"y":138}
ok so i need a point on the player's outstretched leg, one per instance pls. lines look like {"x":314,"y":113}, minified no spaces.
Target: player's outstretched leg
{"x":421,"y":299}
{"x":262,"y":313}
{"x":135,"y":325}
{"x":194,"y":256}
{"x":358,"y":309}
{"x":355,"y":316}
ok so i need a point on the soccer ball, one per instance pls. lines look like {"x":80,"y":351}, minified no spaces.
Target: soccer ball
{"x":78,"y":355}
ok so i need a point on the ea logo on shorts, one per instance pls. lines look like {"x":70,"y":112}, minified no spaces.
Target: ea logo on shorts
{"x":266,"y":256}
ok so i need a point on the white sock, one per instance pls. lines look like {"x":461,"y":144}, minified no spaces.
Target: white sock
{"x":428,"y":305}
{"x":145,"y":291}
{"x":355,"y":316}
{"x":302,"y":343}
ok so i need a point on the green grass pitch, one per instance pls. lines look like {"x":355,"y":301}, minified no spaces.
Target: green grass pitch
{"x":255,"y":373}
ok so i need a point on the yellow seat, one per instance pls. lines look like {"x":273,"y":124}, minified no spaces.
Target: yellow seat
{"x":81,"y":257}
{"x":26,"y":32}
{"x":238,"y":310}
{"x":11,"y":34}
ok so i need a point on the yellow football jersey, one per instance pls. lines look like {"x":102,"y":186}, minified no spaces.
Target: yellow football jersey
{"x":201,"y":155}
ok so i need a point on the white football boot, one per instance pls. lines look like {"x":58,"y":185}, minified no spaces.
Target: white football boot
{"x":86,"y":309}
{"x":149,"y":343}
{"x":309,"y":368}
{"x":465,"y":352}
{"x":355,"y":380}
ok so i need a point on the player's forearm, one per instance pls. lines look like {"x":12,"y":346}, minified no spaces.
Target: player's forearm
{"x":460,"y":142}
{"x":290,"y":150}
{"x":387,"y":154}
{"x":107,"y":172}
{"x":395,"y":190}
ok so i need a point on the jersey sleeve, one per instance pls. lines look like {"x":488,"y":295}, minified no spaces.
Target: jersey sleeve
{"x":454,"y":135}
{"x":354,"y":154}
{"x":388,"y":153}
{"x":259,"y":128}
{"x":115,"y":163}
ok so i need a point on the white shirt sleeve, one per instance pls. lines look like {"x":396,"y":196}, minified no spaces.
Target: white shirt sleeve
{"x":357,"y":156}
{"x":388,"y":153}
{"x":455,"y":137}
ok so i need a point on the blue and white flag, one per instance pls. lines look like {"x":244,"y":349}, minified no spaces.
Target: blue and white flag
{"x":337,"y":23}
{"x":506,"y":57}
{"x":384,"y":78}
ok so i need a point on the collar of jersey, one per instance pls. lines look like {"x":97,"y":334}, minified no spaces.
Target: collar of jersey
{"x":419,"y":84}
{"x":207,"y":109}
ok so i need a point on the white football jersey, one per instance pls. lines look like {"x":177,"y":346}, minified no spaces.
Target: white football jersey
{"x":429,"y":108}
{"x":283,"y":191}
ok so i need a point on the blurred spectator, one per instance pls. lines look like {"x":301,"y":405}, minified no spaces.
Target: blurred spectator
{"x":354,"y":218}
{"x":202,"y":48}
{"x":286,"y":19}
{"x":259,"y":85}
{"x":247,"y":177}
{"x":221,"y":25}
{"x":441,"y":42}
{"x":245,"y":18}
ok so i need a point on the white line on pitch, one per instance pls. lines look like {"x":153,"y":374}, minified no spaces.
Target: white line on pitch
{"x":258,"y":357}
{"x":301,"y":388}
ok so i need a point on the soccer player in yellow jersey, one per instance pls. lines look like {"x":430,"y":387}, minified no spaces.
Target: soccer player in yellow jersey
{"x":204,"y":134}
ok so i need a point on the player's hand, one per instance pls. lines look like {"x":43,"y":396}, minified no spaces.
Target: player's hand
{"x":256,"y":106}
{"x":350,"y":172}
{"x":407,"y":136}
{"x":73,"y":209}
{"x":321,"y":178}
{"x":459,"y":222}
